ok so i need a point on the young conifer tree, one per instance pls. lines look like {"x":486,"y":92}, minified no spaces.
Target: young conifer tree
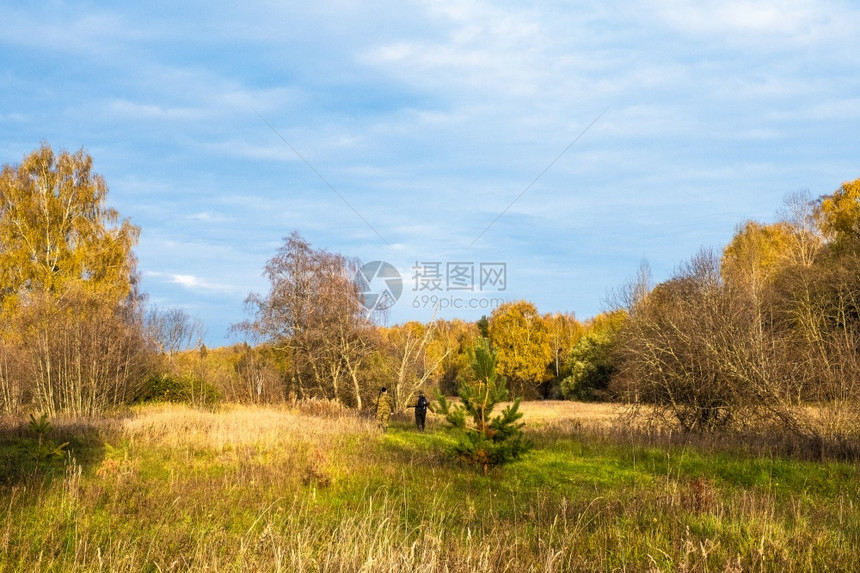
{"x":485,"y":440}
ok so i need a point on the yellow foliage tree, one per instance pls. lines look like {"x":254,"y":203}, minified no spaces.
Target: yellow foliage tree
{"x":57,"y":233}
{"x":67,"y":287}
{"x":756,"y":252}
{"x":450,"y":345}
{"x":839,"y":213}
{"x":521,"y":338}
{"x":564,"y":332}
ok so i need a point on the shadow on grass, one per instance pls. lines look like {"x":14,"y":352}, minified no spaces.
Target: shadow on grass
{"x":752,"y":443}
{"x":38,"y":448}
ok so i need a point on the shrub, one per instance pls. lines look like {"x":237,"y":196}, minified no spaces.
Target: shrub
{"x":170,"y":388}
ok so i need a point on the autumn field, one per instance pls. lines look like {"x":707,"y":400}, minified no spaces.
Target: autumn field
{"x":171,"y":488}
{"x":745,"y":363}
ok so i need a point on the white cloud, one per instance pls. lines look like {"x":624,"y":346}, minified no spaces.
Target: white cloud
{"x":98,"y":35}
{"x":483,"y":47}
{"x":188,"y":281}
{"x":142,"y":111}
{"x":194,"y":283}
{"x":12,"y":117}
{"x":275,"y":151}
{"x":788,"y":22}
{"x":835,"y":110}
{"x":208,"y":217}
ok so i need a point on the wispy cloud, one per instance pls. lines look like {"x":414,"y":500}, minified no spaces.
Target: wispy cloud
{"x":12,"y":117}
{"x":66,"y":30}
{"x":208,"y":217}
{"x":147,"y":111}
{"x":787,"y":19}
{"x":193,"y":283}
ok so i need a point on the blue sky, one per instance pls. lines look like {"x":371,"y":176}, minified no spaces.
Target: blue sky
{"x":429,"y":119}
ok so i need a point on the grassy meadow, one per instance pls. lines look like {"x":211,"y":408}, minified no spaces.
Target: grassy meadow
{"x":239,"y":488}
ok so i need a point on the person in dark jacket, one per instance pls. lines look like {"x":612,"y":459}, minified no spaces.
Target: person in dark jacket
{"x":421,"y":411}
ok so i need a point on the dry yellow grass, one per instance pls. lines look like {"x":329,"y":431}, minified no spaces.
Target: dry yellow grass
{"x":235,"y":426}
{"x":591,"y":414}
{"x":538,"y":413}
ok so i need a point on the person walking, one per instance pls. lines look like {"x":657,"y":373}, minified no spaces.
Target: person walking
{"x":421,"y":411}
{"x":383,"y":409}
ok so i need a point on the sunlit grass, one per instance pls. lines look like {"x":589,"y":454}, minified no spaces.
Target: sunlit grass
{"x":267,"y":489}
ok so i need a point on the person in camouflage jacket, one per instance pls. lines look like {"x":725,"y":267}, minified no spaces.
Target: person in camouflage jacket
{"x":383,"y":409}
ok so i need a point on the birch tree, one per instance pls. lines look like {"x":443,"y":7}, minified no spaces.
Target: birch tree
{"x":68,"y":286}
{"x":313,"y":314}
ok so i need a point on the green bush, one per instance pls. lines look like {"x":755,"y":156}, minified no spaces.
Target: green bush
{"x":592,"y":366}
{"x":170,"y":388}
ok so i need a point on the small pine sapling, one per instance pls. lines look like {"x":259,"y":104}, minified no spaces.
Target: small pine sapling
{"x":44,"y":450}
{"x":485,"y":440}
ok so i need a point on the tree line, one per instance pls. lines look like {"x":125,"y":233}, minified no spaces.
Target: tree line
{"x":78,"y":336}
{"x":753,"y":334}
{"x":317,"y":340}
{"x":764,"y":334}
